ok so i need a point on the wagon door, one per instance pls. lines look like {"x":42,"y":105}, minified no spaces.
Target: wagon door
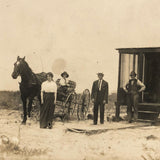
{"x":152,"y":78}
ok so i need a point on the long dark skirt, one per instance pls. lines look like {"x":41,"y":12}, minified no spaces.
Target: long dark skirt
{"x":47,"y":110}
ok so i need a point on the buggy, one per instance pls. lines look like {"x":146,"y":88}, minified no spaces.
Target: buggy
{"x":66,"y":100}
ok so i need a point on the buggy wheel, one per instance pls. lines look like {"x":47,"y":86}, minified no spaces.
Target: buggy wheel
{"x":84,"y":104}
{"x":70,"y":104}
{"x":82,"y":111}
{"x":79,"y":117}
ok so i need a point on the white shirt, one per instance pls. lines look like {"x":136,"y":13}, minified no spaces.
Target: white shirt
{"x":63,"y":82}
{"x":139,"y":83}
{"x":49,"y":87}
{"x":100,"y":84}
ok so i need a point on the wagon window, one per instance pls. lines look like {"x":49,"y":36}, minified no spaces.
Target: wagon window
{"x":129,"y":62}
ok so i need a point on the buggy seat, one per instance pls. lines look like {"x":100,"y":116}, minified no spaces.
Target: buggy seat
{"x":64,"y":91}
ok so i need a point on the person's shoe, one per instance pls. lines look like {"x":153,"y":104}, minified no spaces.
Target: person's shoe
{"x":43,"y":127}
{"x":130,"y":121}
{"x":50,"y":126}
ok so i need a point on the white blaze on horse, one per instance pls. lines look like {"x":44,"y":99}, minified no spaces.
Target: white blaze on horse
{"x":30,"y":85}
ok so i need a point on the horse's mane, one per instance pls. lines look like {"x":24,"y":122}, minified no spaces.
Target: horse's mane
{"x":26,"y":67}
{"x":30,"y":75}
{"x":26,"y":71}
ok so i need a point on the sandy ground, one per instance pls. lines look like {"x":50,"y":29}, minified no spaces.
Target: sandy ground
{"x":140,"y":143}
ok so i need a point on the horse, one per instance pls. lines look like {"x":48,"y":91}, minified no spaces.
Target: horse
{"x":30,"y":85}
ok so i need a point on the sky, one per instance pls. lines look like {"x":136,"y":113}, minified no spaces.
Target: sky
{"x":77,"y":36}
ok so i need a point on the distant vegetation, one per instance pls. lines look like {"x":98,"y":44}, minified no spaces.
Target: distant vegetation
{"x":12,"y":100}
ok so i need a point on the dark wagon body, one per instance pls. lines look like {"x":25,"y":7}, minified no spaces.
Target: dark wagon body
{"x":146,"y":63}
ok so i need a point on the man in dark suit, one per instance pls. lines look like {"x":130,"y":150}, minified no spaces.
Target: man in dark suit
{"x":99,"y":97}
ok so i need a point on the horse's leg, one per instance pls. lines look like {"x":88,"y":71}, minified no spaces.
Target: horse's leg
{"x":24,"y":100}
{"x":39,"y":98}
{"x":30,"y":106}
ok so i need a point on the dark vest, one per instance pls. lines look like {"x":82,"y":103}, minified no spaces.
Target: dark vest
{"x":132,"y":86}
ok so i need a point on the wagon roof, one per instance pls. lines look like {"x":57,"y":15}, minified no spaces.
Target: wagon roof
{"x":139,"y":50}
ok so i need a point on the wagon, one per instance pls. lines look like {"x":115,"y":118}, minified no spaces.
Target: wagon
{"x":145,"y":62}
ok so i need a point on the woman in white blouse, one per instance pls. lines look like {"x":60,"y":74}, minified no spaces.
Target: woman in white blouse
{"x":48,"y":100}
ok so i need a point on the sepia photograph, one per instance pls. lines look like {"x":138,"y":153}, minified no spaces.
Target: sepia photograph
{"x":80,"y":80}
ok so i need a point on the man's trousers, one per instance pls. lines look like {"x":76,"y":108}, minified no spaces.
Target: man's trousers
{"x":98,"y":105}
{"x":132,"y":103}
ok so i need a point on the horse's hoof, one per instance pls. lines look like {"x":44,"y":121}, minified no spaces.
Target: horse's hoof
{"x":23,"y":123}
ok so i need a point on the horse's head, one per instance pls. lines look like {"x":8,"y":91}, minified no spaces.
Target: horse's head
{"x":17,"y":67}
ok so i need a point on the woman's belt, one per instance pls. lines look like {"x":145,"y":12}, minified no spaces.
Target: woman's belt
{"x":50,"y":92}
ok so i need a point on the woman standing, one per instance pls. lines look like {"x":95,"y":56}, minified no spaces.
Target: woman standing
{"x":48,"y":100}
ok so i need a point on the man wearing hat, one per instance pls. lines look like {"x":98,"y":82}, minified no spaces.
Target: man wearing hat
{"x":99,"y":97}
{"x":133,"y":87}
